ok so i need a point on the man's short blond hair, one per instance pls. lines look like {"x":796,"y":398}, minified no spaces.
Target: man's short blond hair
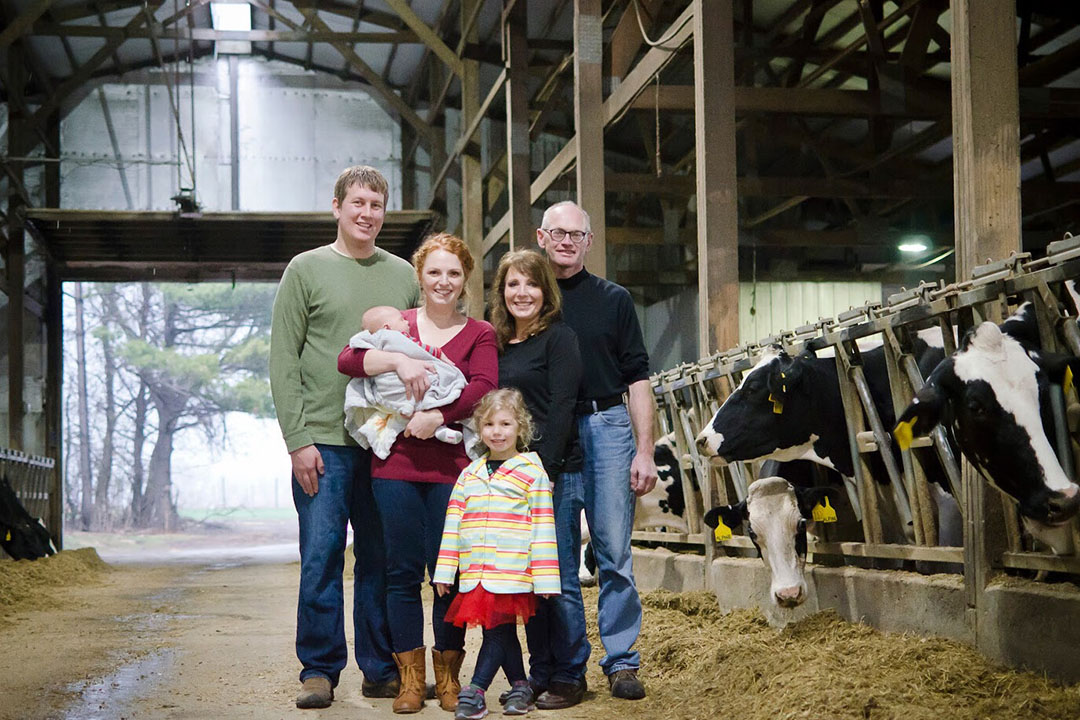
{"x":364,"y":176}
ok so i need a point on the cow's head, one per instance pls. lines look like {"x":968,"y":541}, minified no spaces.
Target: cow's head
{"x":994,"y":395}
{"x":765,"y":416}
{"x":776,"y":514}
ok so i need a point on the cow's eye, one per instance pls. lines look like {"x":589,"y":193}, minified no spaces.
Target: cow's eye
{"x":975,"y":406}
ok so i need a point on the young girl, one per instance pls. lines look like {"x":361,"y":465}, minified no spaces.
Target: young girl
{"x":500,"y":535}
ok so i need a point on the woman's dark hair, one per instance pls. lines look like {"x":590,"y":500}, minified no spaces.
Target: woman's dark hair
{"x":534,"y":266}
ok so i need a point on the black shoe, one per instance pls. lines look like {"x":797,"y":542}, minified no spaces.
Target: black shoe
{"x":561,"y":695}
{"x":625,"y":684}
{"x":388,"y":689}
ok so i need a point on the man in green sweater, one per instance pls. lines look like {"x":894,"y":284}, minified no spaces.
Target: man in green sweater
{"x":321,"y":298}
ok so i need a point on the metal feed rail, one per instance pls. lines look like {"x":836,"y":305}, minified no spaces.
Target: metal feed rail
{"x":688,"y":395}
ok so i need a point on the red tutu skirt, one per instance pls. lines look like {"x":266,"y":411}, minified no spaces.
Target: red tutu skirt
{"x":489,"y":610}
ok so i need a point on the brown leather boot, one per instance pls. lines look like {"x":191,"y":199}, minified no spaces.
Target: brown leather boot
{"x":447,"y":664}
{"x":411,"y":667}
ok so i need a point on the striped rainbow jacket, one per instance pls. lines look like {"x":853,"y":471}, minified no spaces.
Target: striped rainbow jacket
{"x":500,"y":530}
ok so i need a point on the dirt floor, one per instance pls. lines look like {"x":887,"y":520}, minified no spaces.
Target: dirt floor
{"x":202,"y":634}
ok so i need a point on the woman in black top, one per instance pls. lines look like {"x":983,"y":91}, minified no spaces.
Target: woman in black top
{"x":539,"y":355}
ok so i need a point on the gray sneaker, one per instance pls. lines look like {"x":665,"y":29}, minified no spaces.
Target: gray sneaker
{"x":470,"y":704}
{"x":519,"y":700}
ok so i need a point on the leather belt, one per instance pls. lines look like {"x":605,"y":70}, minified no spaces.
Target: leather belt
{"x":588,"y":407}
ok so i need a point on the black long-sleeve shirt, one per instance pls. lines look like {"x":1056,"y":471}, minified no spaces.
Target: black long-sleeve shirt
{"x":546,"y":368}
{"x":602,"y":315}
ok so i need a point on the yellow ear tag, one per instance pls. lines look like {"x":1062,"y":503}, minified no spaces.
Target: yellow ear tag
{"x":903,"y":434}
{"x":722,"y":531}
{"x":1068,"y":382}
{"x":777,"y":405}
{"x":8,"y":538}
{"x":824,"y":513}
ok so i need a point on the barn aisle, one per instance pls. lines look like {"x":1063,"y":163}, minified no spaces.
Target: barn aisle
{"x":176,"y":640}
{"x":214,"y":639}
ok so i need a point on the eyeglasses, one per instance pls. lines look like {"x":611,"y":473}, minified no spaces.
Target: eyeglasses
{"x":558,"y":235}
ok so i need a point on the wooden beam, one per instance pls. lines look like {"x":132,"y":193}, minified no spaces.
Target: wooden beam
{"x":23,"y":22}
{"x":14,"y":253}
{"x":46,"y":29}
{"x":822,"y":102}
{"x":472,"y":173}
{"x":426,"y":35}
{"x":83,"y":73}
{"x":589,"y":126}
{"x":383,"y":92}
{"x":986,"y":133}
{"x":717,"y":210}
{"x":517,"y":126}
{"x":626,"y":40}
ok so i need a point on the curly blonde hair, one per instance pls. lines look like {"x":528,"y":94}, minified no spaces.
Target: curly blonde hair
{"x":450,"y":243}
{"x":505,"y":399}
{"x":536,"y":268}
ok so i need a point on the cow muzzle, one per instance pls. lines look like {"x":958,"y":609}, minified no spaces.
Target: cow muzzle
{"x":1062,"y":506}
{"x":790,"y":597}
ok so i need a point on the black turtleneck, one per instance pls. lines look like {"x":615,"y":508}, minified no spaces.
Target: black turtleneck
{"x":612,"y":349}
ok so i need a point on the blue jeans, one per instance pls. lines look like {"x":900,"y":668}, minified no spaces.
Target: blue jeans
{"x":607,"y":443}
{"x":413,"y":515}
{"x":501,"y":649}
{"x":558,"y":647}
{"x":344,"y":497}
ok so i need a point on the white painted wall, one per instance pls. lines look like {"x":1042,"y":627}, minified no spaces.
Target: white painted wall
{"x":670,"y":326}
{"x":295,"y":136}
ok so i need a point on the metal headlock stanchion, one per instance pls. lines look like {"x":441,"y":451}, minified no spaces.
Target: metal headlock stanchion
{"x":690,"y":394}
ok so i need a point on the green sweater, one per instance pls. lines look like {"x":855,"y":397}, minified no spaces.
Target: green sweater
{"x":319,"y":303}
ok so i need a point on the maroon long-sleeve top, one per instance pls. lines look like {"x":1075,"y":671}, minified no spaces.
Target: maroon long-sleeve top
{"x":474,"y":351}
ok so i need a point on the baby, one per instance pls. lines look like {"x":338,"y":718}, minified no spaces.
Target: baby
{"x":377,"y":408}
{"x":385,"y":317}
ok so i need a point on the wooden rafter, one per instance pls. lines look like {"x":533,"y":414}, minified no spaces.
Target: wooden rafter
{"x":426,"y":35}
{"x":23,"y":22}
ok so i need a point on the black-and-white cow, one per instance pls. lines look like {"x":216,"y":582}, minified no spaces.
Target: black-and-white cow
{"x":776,"y":514}
{"x":664,"y":507}
{"x":994,"y":395}
{"x":789,"y":408}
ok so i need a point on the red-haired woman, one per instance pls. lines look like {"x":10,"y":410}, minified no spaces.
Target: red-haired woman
{"x":412,"y":485}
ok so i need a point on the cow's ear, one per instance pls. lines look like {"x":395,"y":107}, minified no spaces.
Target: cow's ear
{"x":732,"y":515}
{"x":928,"y":407}
{"x":784,"y":376}
{"x":1059,"y":368}
{"x":809,"y":497}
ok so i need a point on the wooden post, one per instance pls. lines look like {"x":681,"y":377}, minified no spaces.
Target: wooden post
{"x":15,"y":256}
{"x":472,"y":177}
{"x":986,"y":132}
{"x":516,"y":54}
{"x":54,"y":405}
{"x":717,"y":211}
{"x":589,"y":125}
{"x":986,"y":192}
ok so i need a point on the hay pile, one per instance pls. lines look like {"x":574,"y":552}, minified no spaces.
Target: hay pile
{"x":700,"y":663}
{"x":32,"y":583}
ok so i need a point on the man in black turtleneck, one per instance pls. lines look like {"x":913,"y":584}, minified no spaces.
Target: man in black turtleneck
{"x":618,"y":458}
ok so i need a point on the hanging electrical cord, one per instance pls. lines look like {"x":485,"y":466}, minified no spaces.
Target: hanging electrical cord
{"x":171,"y":84}
{"x":666,"y":38}
{"x":191,"y":89}
{"x":656,"y":105}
